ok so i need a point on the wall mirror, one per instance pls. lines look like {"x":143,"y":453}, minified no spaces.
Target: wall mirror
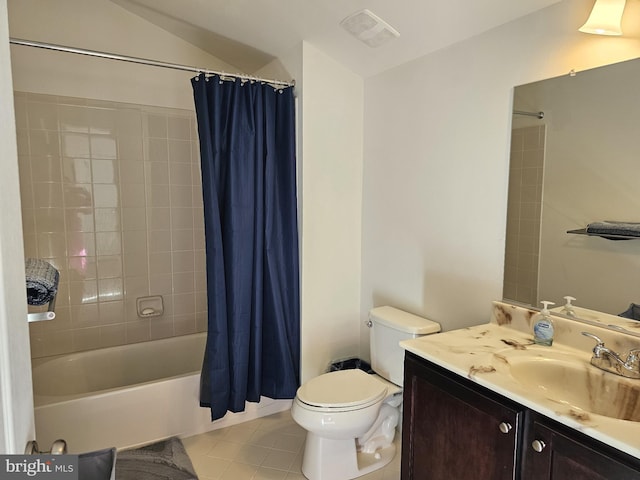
{"x":578,"y":164}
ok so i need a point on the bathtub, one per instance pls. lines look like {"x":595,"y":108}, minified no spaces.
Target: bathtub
{"x":128,"y":396}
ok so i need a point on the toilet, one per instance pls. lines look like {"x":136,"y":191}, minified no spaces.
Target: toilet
{"x":351,"y":416}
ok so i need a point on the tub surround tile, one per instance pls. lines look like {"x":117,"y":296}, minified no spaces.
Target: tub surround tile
{"x":138,"y":331}
{"x":130,"y":148}
{"x":111,"y":193}
{"x":75,"y":145}
{"x":49,"y":220}
{"x":184,"y":324}
{"x":103,"y":146}
{"x":86,"y":338}
{"x":112,"y":335}
{"x":105,"y":171}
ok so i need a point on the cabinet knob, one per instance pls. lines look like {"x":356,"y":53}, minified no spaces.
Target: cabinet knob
{"x":505,"y":427}
{"x":538,"y":445}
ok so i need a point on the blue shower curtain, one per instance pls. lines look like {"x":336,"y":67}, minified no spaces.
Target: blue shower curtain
{"x":247,"y":148}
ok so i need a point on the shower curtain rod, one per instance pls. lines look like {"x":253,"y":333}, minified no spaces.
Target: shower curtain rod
{"x":143,"y":61}
{"x":529,"y":114}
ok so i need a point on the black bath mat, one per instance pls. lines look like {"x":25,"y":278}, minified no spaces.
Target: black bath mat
{"x":166,"y":460}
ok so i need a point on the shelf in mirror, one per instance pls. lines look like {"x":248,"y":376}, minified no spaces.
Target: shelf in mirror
{"x":608,"y":236}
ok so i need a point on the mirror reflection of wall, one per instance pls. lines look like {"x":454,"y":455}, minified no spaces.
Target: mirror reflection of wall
{"x":591,"y":172}
{"x":523,"y":217}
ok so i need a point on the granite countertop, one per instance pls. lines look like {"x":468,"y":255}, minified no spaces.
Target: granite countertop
{"x":486,"y":354}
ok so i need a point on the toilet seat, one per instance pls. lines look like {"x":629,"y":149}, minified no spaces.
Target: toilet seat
{"x":342,"y":390}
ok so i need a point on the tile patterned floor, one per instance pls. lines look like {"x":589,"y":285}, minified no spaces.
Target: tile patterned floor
{"x":269,"y":448}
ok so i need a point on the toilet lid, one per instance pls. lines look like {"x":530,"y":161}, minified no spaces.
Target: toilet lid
{"x":344,"y":388}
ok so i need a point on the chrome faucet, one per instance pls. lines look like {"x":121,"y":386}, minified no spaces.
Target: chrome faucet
{"x":606,"y":359}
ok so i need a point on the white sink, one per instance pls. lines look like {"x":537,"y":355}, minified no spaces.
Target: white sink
{"x":573,"y":381}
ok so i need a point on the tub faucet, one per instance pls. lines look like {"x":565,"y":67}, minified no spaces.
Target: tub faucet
{"x":606,"y":359}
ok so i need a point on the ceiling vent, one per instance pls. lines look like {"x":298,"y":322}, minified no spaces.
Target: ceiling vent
{"x":369,"y":28}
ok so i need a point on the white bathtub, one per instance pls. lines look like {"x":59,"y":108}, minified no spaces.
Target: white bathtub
{"x":128,"y":396}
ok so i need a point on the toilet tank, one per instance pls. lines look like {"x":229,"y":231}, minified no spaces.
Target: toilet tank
{"x":389,"y":326}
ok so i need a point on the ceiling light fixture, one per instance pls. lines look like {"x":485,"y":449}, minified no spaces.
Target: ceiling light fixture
{"x":369,"y":28}
{"x":605,"y":18}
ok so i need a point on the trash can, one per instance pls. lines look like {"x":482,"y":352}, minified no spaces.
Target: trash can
{"x":350,"y":364}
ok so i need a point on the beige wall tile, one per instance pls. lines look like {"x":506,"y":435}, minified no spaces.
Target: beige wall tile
{"x":51,"y":245}
{"x":134,"y":218}
{"x":48,"y":220}
{"x":137,"y":331}
{"x":86,"y":338}
{"x":161,"y":284}
{"x":183,"y":283}
{"x":108,"y":243}
{"x":179,"y":128}
{"x":73,"y":118}
{"x":102,"y":121}
{"x":79,"y":219}
{"x":81,"y":293}
{"x":179,"y":151}
{"x":111,"y":312}
{"x":110,"y":290}
{"x":181,"y":218}
{"x":46,"y":169}
{"x":129,"y":122}
{"x":156,"y":126}
{"x":47,"y":195}
{"x":108,"y":219}
{"x":130,"y":148}
{"x":159,"y":241}
{"x":161,"y":327}
{"x":131,"y":172}
{"x":42,"y":116}
{"x":158,"y":196}
{"x":82,"y":268}
{"x":75,"y":145}
{"x":44,"y":143}
{"x":111,"y":194}
{"x":77,"y":195}
{"x":105,"y":171}
{"x":157,"y":149}
{"x":106,"y":196}
{"x":76,"y":170}
{"x":109,"y":266}
{"x":103,"y":146}
{"x":112,"y":335}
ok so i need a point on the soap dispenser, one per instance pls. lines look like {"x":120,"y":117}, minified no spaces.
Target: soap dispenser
{"x":543,"y":326}
{"x":568,"y":307}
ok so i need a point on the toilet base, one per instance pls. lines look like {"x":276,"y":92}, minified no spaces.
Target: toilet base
{"x":329,"y":459}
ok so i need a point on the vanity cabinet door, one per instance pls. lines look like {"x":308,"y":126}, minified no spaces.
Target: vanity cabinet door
{"x":555,"y":455}
{"x":453,"y":432}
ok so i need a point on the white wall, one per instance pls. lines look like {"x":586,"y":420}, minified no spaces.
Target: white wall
{"x":16,"y":399}
{"x":331,"y":186}
{"x":436,"y":153}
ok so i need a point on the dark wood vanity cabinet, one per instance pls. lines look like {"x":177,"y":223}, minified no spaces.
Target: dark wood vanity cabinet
{"x":551,"y":451}
{"x":451,"y":432}
{"x":454,"y":429}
